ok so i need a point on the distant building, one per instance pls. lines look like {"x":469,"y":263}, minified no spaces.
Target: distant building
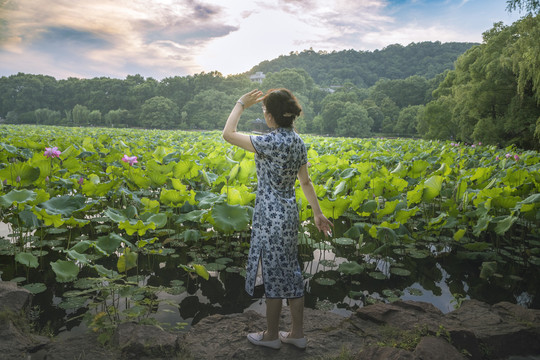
{"x":257,"y":77}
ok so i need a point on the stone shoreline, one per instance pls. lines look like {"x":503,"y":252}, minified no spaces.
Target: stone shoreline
{"x":401,"y":330}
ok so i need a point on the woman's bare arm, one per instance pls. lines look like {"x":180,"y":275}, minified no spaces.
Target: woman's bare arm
{"x":230,"y":133}
{"x":321,"y":222}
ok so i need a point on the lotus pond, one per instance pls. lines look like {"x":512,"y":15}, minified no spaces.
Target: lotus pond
{"x":107,"y":225}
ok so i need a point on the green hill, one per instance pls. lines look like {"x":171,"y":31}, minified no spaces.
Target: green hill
{"x":364,"y":68}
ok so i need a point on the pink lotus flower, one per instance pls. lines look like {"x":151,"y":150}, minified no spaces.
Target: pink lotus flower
{"x":473,"y":145}
{"x":130,"y":160}
{"x":479,"y":143}
{"x":52,"y":152}
{"x":497,"y":157}
{"x":18,"y":179}
{"x":508,"y":155}
{"x":81,"y":180}
{"x":516,"y":157}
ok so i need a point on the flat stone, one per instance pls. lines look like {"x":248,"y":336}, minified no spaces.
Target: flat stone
{"x":431,"y":348}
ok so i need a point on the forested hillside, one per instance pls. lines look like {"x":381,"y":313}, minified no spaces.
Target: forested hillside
{"x":364,"y":68}
{"x":491,"y":96}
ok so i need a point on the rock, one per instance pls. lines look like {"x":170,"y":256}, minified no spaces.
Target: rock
{"x":500,"y":330}
{"x":403,"y":330}
{"x":224,"y":337}
{"x":135,"y":341}
{"x":383,"y":353}
{"x":15,"y":338}
{"x":431,"y":348}
{"x":14,"y":299}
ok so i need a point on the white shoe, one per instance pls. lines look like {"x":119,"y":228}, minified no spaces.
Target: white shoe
{"x":257,"y":339}
{"x":300,"y":343}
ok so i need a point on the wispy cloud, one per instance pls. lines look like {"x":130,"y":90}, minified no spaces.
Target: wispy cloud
{"x":162,"y":38}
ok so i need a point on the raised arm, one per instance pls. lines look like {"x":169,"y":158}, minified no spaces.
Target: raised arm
{"x":230,"y":134}
{"x":321,"y":222}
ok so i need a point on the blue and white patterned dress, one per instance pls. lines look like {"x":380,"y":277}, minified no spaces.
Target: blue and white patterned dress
{"x":274,"y":234}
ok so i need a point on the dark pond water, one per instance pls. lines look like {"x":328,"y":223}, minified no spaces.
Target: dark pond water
{"x":441,"y":279}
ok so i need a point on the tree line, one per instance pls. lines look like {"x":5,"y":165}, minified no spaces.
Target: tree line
{"x":489,"y":94}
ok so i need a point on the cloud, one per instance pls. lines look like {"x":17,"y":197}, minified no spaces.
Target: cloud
{"x":161,"y":38}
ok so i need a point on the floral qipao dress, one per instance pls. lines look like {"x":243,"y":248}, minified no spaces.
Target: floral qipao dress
{"x":274,"y":234}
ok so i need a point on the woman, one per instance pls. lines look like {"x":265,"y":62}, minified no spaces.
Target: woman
{"x":280,"y":158}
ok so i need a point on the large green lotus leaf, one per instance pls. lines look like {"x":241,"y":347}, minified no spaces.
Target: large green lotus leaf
{"x":432,"y":187}
{"x":400,"y":170}
{"x":230,"y":218}
{"x":65,"y":271}
{"x":504,"y":225}
{"x":127,"y":260}
{"x":400,"y":271}
{"x":348,"y":173}
{"x":137,"y":177}
{"x":402,"y":216}
{"x":29,"y":219}
{"x":115,"y":215}
{"x":81,"y":258}
{"x":358,"y":198}
{"x":386,"y":234}
{"x":458,"y":235}
{"x":350,"y":268}
{"x":73,"y":164}
{"x":334,"y":209}
{"x":132,"y":226}
{"x":108,"y":244}
{"x":186,"y":169}
{"x":161,"y":152}
{"x":17,"y":197}
{"x":195,"y":216}
{"x":247,"y":171}
{"x":65,"y":205}
{"x":369,"y":206}
{"x":81,"y":246}
{"x":415,"y":196}
{"x":91,"y":188}
{"x":19,"y":174}
{"x":340,"y":188}
{"x":505,"y":202}
{"x":49,"y":219}
{"x":74,"y":222}
{"x":344,"y":241}
{"x":389,"y":208}
{"x":176,"y":198}
{"x":150,"y":205}
{"x":103,"y":271}
{"x":27,"y":259}
{"x":516,"y":177}
{"x":35,"y":288}
{"x":418,"y":168}
{"x":156,"y":178}
{"x":160,"y":220}
{"x":238,"y":195}
{"x":481,"y":225}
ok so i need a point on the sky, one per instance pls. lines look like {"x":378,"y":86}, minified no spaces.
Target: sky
{"x":167,"y":38}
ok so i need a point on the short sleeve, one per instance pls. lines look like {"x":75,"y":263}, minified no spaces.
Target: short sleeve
{"x":263,"y":144}
{"x":303,"y":158}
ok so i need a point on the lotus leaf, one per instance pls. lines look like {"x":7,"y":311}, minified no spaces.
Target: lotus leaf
{"x":400,"y":271}
{"x":230,"y":218}
{"x":27,"y":259}
{"x":65,"y":271}
{"x":377,"y":275}
{"x":325,"y":281}
{"x":350,"y":268}
{"x":65,"y":205}
{"x":127,"y":260}
{"x":35,"y":288}
{"x":17,"y":197}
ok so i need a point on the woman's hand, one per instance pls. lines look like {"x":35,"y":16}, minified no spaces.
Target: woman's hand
{"x":251,"y":98}
{"x":323,"y":224}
